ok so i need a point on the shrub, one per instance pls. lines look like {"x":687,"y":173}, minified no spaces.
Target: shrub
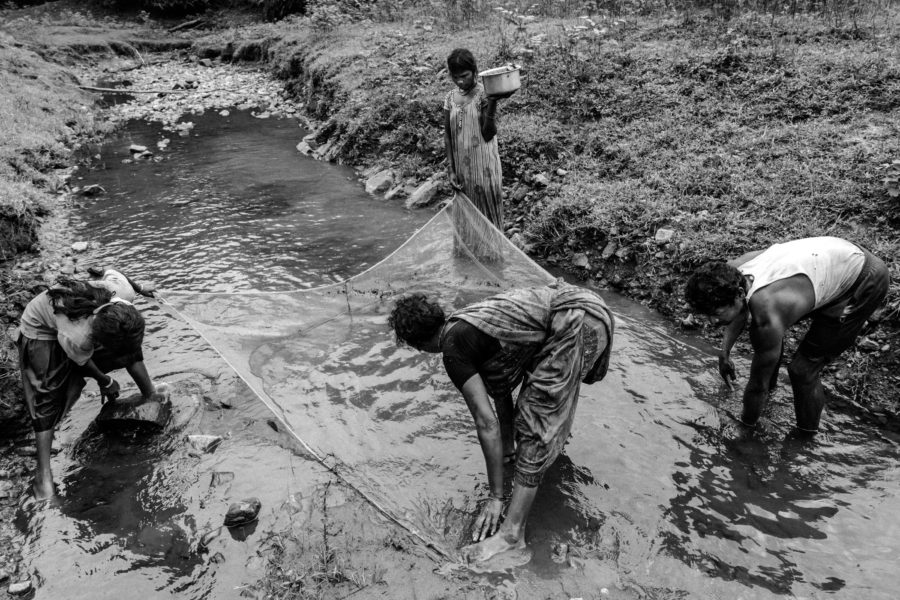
{"x":891,"y":179}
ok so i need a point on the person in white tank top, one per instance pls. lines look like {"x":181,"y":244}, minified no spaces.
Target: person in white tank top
{"x":830,"y":280}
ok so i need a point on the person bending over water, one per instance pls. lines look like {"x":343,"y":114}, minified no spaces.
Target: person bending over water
{"x":76,"y":329}
{"x":549,"y":339}
{"x":835,"y":283}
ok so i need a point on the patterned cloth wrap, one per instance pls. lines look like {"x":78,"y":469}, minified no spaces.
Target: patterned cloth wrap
{"x":553,"y":338}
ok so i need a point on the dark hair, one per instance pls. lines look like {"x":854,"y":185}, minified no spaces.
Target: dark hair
{"x":77,"y":299}
{"x":713,"y":285}
{"x":119,"y":328}
{"x":461,"y":60}
{"x":415,"y":319}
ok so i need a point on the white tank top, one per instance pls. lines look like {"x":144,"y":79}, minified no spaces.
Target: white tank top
{"x":830,"y":263}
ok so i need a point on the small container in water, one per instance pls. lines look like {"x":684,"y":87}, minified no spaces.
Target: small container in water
{"x":501,"y":80}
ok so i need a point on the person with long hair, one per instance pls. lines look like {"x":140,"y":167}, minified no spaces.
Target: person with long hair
{"x":74,"y":330}
{"x":548,"y":340}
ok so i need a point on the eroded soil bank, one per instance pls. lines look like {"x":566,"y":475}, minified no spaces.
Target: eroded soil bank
{"x":635,"y":149}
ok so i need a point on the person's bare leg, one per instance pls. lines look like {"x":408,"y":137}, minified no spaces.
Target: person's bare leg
{"x":511,"y":535}
{"x":773,"y":381}
{"x":505,"y":416}
{"x":809,"y":396}
{"x":43,"y":477}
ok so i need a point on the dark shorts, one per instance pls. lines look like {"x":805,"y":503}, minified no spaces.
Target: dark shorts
{"x":50,"y":379}
{"x":835,"y":326}
{"x":53,"y":382}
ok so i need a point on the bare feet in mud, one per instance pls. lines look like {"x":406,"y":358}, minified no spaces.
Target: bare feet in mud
{"x":501,"y":546}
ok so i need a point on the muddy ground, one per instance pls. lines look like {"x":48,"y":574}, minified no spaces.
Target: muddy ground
{"x":632,"y":153}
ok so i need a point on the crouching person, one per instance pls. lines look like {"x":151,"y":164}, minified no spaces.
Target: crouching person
{"x":74,"y":330}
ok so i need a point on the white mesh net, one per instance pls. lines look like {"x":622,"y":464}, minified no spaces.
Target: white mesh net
{"x":387,"y":419}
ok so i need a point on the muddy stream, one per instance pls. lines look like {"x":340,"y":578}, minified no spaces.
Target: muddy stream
{"x":657,"y":495}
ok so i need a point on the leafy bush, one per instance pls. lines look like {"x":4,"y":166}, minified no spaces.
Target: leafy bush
{"x":891,"y":179}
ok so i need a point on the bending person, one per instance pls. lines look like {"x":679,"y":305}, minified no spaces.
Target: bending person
{"x":548,"y":339}
{"x":74,"y":330}
{"x":835,"y":283}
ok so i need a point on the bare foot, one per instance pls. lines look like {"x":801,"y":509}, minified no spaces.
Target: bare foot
{"x":492,"y":546}
{"x":43,"y":489}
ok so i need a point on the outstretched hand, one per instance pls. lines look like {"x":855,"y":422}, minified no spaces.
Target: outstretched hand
{"x":489,"y":519}
{"x":727,"y":371}
{"x":148,"y":289}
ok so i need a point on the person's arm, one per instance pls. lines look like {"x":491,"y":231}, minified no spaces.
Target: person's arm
{"x":488,"y":118}
{"x":746,"y":257}
{"x":138,"y":372}
{"x":732,"y":332}
{"x":109,"y":387}
{"x":488,"y":428}
{"x":766,"y":337}
{"x":448,"y":149}
{"x":148,"y":289}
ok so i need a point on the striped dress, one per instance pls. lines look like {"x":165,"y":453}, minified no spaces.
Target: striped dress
{"x":477,"y":162}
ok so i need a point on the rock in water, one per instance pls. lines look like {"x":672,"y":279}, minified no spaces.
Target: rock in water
{"x":204,"y":443}
{"x":136,"y":414}
{"x":243,"y":512}
{"x":20,"y":588}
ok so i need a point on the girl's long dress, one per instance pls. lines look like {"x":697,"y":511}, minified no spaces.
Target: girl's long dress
{"x":477,"y":162}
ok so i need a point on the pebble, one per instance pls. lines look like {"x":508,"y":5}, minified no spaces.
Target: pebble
{"x":209,"y":537}
{"x":19,"y":588}
{"x":221,"y":477}
{"x":204,"y":443}
{"x":243,"y":512}
{"x":218,"y":87}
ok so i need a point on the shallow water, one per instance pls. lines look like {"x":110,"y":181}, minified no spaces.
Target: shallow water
{"x":657,"y":495}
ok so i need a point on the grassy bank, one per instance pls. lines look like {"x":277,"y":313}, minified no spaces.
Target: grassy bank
{"x":638,"y":146}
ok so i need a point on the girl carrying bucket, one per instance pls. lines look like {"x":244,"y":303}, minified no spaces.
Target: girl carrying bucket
{"x":470,"y":138}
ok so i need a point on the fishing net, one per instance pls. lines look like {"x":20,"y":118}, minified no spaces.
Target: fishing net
{"x":385,"y":418}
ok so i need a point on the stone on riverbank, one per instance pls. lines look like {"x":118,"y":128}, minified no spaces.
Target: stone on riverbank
{"x":380,"y":182}
{"x":424,"y":195}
